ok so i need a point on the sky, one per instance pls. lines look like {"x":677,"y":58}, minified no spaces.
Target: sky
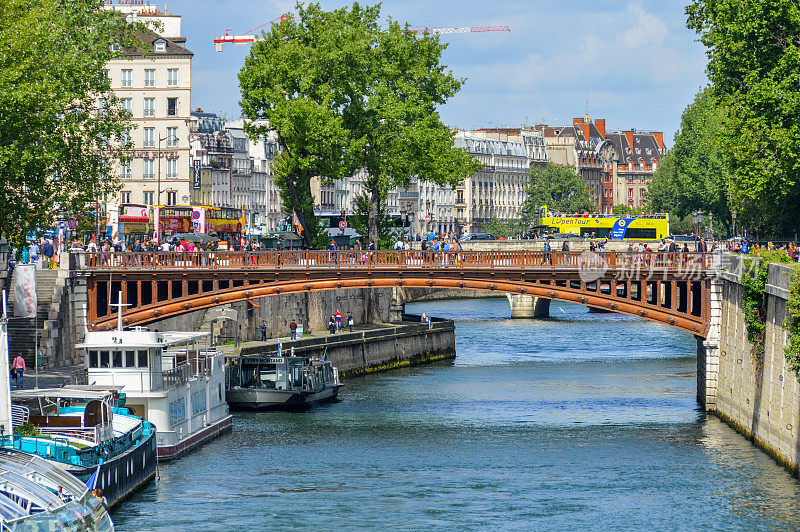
{"x":634,"y":61}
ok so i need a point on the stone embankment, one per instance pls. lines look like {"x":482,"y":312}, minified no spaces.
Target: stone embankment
{"x":369,"y":348}
{"x":758,"y":397}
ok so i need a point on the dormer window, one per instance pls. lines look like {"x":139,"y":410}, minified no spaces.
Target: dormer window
{"x":160,"y":45}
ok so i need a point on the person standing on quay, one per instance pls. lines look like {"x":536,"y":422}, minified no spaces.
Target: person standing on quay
{"x":332,"y":325}
{"x":19,"y":370}
{"x":339,"y":319}
{"x":293,"y":330}
{"x":350,"y":321}
{"x":263,"y":330}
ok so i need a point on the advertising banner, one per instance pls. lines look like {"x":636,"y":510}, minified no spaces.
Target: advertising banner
{"x":156,"y":224}
{"x":620,"y":227}
{"x":25,"y":301}
{"x":196,"y":180}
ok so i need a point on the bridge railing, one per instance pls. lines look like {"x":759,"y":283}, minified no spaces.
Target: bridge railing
{"x":398,"y":259}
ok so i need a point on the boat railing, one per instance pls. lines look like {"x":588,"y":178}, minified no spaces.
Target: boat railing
{"x":92,"y":434}
{"x":196,"y":367}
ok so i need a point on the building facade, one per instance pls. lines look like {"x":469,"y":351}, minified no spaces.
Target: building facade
{"x":155,"y":86}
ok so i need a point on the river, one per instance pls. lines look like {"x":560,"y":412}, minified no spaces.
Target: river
{"x":580,"y":421}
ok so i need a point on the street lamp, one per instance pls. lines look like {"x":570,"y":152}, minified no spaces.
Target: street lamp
{"x":160,"y":140}
{"x":733,"y":218}
{"x":403,"y":214}
{"x":697,"y":218}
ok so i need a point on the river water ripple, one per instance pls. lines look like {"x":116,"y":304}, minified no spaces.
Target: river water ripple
{"x":580,"y":421}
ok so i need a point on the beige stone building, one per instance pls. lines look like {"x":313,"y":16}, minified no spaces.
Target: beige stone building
{"x":156,"y":87}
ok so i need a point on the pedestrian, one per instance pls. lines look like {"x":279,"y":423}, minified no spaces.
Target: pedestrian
{"x":19,"y":370}
{"x":263,"y":330}
{"x":34,"y":254}
{"x":332,"y":325}
{"x":350,"y":321}
{"x":339,"y":319}
{"x":293,"y":330}
{"x":547,"y":249}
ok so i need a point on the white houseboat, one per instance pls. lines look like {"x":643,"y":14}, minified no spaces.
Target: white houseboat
{"x":166,"y":379}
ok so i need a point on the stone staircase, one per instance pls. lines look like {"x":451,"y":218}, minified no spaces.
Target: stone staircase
{"x":22,"y":332}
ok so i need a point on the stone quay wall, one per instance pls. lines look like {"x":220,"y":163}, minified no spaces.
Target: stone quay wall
{"x":387,"y":347}
{"x":759,"y":398}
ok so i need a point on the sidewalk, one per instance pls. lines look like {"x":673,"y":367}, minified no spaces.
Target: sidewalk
{"x":230,"y":349}
{"x":50,"y":377}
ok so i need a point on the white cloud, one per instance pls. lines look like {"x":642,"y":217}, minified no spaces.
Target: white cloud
{"x":646,"y":30}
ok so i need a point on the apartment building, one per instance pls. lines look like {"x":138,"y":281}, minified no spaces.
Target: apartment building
{"x":155,"y":87}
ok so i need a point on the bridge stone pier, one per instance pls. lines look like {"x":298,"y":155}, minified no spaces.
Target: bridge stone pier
{"x":523,"y":306}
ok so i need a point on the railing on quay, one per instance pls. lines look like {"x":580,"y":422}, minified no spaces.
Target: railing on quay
{"x":350,"y":259}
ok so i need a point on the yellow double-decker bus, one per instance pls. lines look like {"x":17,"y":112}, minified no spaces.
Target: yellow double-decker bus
{"x":611,"y":226}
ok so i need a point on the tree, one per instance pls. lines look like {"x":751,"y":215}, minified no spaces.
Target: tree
{"x":505,"y":229}
{"x":387,"y":232}
{"x":60,"y":124}
{"x":343,"y":94}
{"x":558,"y":187}
{"x":753,"y":51}
{"x":626,"y":210}
{"x":695,"y":174}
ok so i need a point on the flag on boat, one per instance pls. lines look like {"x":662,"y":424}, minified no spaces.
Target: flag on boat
{"x":92,"y":482}
{"x":325,"y":354}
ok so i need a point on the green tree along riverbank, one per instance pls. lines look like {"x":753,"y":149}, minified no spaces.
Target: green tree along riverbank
{"x":739,"y":139}
{"x":60,"y":123}
{"x":343,"y":94}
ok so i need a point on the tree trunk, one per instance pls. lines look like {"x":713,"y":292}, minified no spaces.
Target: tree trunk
{"x":374,"y":211}
{"x":291,"y":185}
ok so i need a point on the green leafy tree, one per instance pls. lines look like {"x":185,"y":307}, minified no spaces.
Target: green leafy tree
{"x":503,"y":228}
{"x":627,"y":210}
{"x":387,"y":232}
{"x":60,"y":124}
{"x":342,"y":93}
{"x":695,"y":174}
{"x":753,"y":53}
{"x":558,"y":187}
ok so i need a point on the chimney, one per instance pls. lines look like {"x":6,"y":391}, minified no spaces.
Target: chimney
{"x":600,"y":124}
{"x":576,"y":122}
{"x":659,"y":135}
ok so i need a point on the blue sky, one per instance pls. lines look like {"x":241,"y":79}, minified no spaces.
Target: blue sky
{"x":634,"y":60}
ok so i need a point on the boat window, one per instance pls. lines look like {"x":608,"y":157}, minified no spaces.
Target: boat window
{"x":130,"y":359}
{"x":94,"y":359}
{"x":117,"y":358}
{"x":103,"y":359}
{"x":142,"y":362}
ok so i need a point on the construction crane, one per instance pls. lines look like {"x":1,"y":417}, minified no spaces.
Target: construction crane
{"x":249,"y":37}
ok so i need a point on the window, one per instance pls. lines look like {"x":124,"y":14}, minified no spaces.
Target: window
{"x":125,"y":196}
{"x":172,"y":168}
{"x":148,"y":169}
{"x":148,"y":200}
{"x":102,"y":106}
{"x":127,"y":77}
{"x":172,"y":107}
{"x":172,"y":77}
{"x":142,"y":358}
{"x":94,"y":359}
{"x":126,"y":104}
{"x":172,"y":137}
{"x":104,"y":359}
{"x":172,"y":197}
{"x":116,"y":359}
{"x":149,"y":137}
{"x":149,"y":77}
{"x":630,"y":192}
{"x":160,"y":45}
{"x":149,"y":107}
{"x":177,"y":411}
{"x":125,"y":173}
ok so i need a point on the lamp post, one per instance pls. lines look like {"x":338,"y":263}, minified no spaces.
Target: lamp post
{"x":160,"y":140}
{"x":733,"y":218}
{"x":697,"y":218}
{"x":403,"y":214}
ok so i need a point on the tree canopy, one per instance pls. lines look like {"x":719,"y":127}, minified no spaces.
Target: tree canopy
{"x":558,"y":187}
{"x":344,"y":93}
{"x":753,"y":53}
{"x":60,"y":124}
{"x":695,"y":174}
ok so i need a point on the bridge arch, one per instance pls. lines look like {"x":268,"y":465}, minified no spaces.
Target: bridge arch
{"x":692,"y":319}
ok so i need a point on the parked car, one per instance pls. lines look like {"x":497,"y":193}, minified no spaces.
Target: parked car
{"x":684,"y":238}
{"x":477,"y":236}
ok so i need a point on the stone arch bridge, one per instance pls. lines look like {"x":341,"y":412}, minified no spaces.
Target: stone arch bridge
{"x":669,"y":288}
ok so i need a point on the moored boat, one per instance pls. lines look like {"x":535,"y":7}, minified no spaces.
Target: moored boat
{"x":87,"y":434}
{"x":256,"y":382}
{"x":167,"y":380}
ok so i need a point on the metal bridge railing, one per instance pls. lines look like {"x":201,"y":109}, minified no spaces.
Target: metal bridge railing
{"x":350,"y":259}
